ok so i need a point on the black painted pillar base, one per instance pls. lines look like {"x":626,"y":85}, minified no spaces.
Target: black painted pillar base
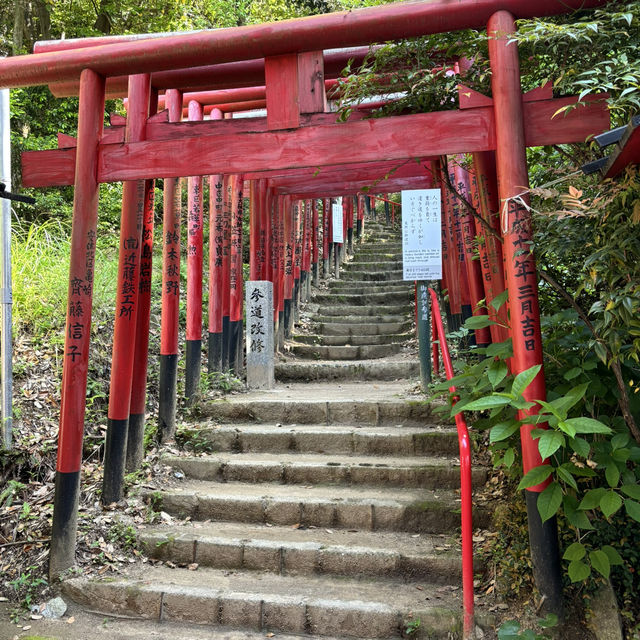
{"x":303,"y":286}
{"x":193,"y":363}
{"x":214,"y":358}
{"x":336,"y":265}
{"x":62,"y":553}
{"x":545,"y":556}
{"x":237,"y":364}
{"x":467,"y":312}
{"x":288,"y":317}
{"x":135,"y":442}
{"x":457,"y":321}
{"x":350,"y":241}
{"x":326,"y":268}
{"x":167,"y":391}
{"x":233,"y":345}
{"x":359,"y":229}
{"x":387,"y":212}
{"x":281,"y":331}
{"x":316,"y":274}
{"x":115,"y":451}
{"x":225,"y":343}
{"x":295,"y":297}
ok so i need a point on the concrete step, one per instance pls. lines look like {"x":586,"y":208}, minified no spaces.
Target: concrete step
{"x":320,"y":411}
{"x":371,"y":370}
{"x":363,"y":311}
{"x":427,"y":440}
{"x":288,"y":551}
{"x":312,"y":605}
{"x":300,"y":468}
{"x":357,"y":319}
{"x":352,"y":340}
{"x":386,"y":246}
{"x":374,"y":276}
{"x":384,"y":298}
{"x":373,"y":263}
{"x":354,"y":507}
{"x":381,"y":257}
{"x":347,"y":352}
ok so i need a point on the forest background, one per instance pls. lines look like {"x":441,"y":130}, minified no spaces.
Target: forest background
{"x":587,"y":244}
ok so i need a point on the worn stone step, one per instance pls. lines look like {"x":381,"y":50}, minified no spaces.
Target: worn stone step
{"x":351,"y":287}
{"x":314,"y":605}
{"x":300,"y":468}
{"x":381,"y":257}
{"x":354,"y":507}
{"x":374,"y":300}
{"x":320,"y":411}
{"x":373,"y":263}
{"x":386,"y":246}
{"x":371,"y":370}
{"x":353,"y":339}
{"x":359,"y":326}
{"x":386,"y":319}
{"x":375,"y":276}
{"x":428,"y":440}
{"x":347,"y":352}
{"x":288,"y":551}
{"x":363,"y":311}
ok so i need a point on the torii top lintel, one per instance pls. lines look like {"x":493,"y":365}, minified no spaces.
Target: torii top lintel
{"x":352,"y":28}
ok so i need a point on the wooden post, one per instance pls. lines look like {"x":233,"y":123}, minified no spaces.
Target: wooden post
{"x":289,"y":248}
{"x":235,"y":278}
{"x":314,"y":242}
{"x":225,"y":289}
{"x":521,"y":278}
{"x":128,"y":283}
{"x":326,"y":236}
{"x":193,"y":347}
{"x":135,"y":432}
{"x":78,"y":324}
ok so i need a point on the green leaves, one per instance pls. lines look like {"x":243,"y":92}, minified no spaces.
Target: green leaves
{"x":497,"y":372}
{"x":503,"y":430}
{"x":549,"y":442}
{"x":549,"y":501}
{"x":610,"y":503}
{"x":575,"y":551}
{"x":578,"y":571}
{"x":524,"y":379}
{"x":586,"y":425}
{"x":535,"y":476}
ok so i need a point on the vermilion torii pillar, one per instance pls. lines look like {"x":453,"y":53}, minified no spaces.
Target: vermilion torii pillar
{"x":236,"y":279}
{"x":172,"y":210}
{"x":522,"y":281}
{"x":193,"y":346}
{"x":78,"y":324}
{"x":314,"y":242}
{"x":326,"y":231}
{"x":128,"y":283}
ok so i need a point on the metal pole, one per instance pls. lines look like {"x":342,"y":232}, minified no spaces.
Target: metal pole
{"x":6,"y":348}
{"x":522,"y":283}
{"x":78,"y":325}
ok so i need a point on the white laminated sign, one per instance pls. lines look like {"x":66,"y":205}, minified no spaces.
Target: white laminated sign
{"x":421,"y":235}
{"x":336,"y":211}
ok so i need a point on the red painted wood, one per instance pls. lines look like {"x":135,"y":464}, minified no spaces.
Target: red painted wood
{"x":453,"y":283}
{"x":235,"y":279}
{"x":520,"y":269}
{"x":471,"y":99}
{"x":248,"y":73}
{"x":298,"y":217}
{"x":306,"y":235}
{"x":289,"y":246}
{"x":326,"y":229}
{"x":281,"y":76}
{"x":115,"y":119}
{"x":311,"y":85}
{"x":319,"y":144}
{"x":627,"y":152}
{"x":226,"y":246}
{"x":216,"y":248}
{"x":352,"y":188}
{"x":314,"y":231}
{"x":545,"y":92}
{"x":81,"y":271}
{"x":194,"y":245}
{"x":128,"y":283}
{"x":265,"y":234}
{"x":66,"y":142}
{"x":172,"y":205}
{"x":343,"y":29}
{"x":474,"y":270}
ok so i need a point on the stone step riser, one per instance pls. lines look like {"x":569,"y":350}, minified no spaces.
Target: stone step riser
{"x":262,"y":612}
{"x":373,"y":276}
{"x":301,"y":559}
{"x":360,"y":311}
{"x":319,"y":413}
{"x":345,"y":371}
{"x":351,"y":340}
{"x":429,"y":476}
{"x":360,"y":299}
{"x":357,"y":319}
{"x":429,"y":516}
{"x":363,"y":352}
{"x":373,"y":327}
{"x":350,"y":289}
{"x":348,"y":443}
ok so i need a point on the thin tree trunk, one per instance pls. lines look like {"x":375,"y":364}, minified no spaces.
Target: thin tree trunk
{"x":18,"y":26}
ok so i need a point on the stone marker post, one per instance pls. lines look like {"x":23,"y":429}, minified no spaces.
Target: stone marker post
{"x":260,"y":356}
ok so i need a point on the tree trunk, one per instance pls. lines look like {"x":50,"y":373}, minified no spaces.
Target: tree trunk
{"x":18,"y":26}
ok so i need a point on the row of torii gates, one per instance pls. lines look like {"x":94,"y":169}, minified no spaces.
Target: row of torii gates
{"x":284,"y":67}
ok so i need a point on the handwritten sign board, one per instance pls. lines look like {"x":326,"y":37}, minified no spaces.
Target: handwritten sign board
{"x":336,"y":211}
{"x":421,"y":235}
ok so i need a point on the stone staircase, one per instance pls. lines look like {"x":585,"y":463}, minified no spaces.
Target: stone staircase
{"x":319,"y":509}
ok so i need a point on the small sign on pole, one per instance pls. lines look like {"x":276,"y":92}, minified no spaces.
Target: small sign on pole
{"x":421,"y":235}
{"x":260,"y":352}
{"x":336,"y":211}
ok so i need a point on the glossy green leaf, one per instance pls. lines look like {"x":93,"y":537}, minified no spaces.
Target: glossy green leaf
{"x":587,"y":425}
{"x":497,"y":372}
{"x":592,"y":498}
{"x":578,"y":571}
{"x":566,"y":476}
{"x":503,"y":430}
{"x":614,"y":557}
{"x":612,"y":474}
{"x":499,"y":300}
{"x":575,"y":551}
{"x":535,"y":476}
{"x":550,"y":442}
{"x":549,"y":501}
{"x":631,"y":490}
{"x":580,"y":446}
{"x":610,"y":503}
{"x":478,"y":322}
{"x":524,"y":379}
{"x":633,"y":509}
{"x":509,"y":457}
{"x":488,"y":402}
{"x":600,"y":562}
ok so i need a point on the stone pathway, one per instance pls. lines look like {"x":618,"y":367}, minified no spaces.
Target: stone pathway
{"x":325,"y":508}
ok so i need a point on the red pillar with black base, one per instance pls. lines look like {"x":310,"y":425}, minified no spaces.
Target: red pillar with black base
{"x":522,"y":283}
{"x":193,"y":346}
{"x":326,"y":236}
{"x":128,"y":284}
{"x":78,"y":325}
{"x":235,"y":278}
{"x":314,"y":242}
{"x":289,"y":259}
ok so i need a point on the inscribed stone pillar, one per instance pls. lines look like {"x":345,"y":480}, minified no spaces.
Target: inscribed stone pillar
{"x":260,"y":355}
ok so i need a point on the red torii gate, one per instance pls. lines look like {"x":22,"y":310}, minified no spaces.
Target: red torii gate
{"x":287,"y":139}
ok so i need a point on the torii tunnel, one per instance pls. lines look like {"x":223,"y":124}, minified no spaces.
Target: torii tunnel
{"x":294,"y":156}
